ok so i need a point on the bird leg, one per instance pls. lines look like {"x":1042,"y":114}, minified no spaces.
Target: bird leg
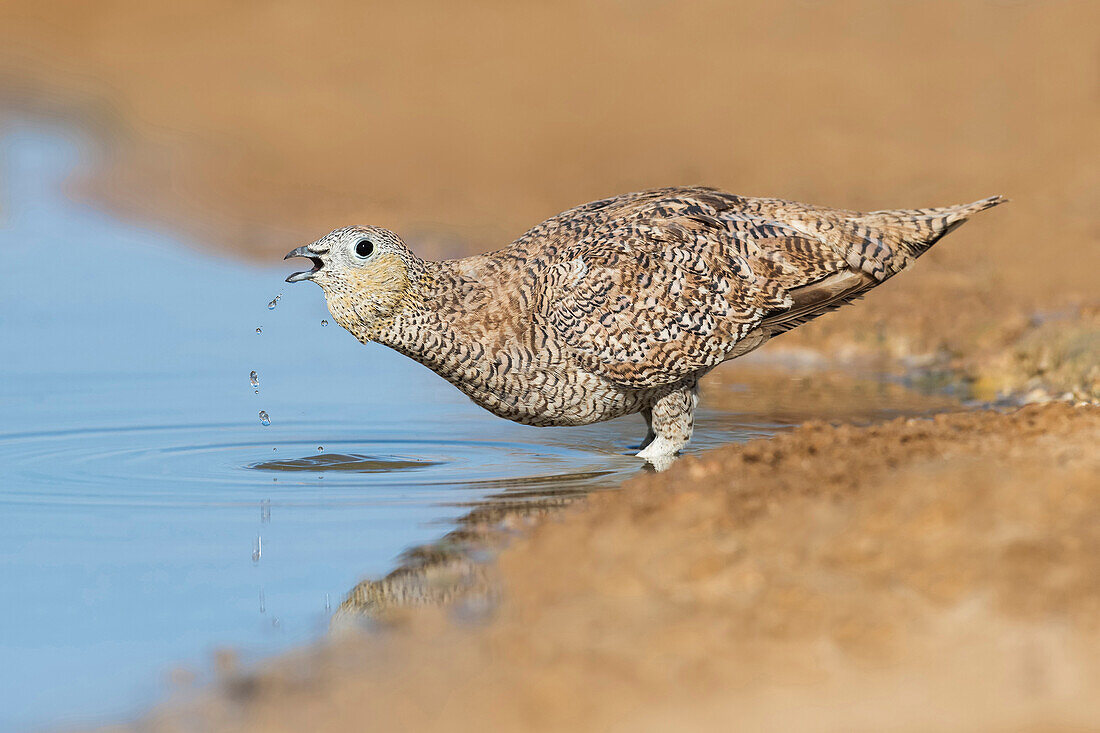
{"x":647,"y":413}
{"x":671,"y":420}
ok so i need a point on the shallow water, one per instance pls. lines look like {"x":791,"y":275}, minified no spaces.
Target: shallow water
{"x":148,"y":516}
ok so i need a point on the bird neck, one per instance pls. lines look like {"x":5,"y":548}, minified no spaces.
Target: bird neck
{"x":420,"y":331}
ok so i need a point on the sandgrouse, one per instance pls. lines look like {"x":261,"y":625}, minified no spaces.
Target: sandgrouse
{"x":620,"y":305}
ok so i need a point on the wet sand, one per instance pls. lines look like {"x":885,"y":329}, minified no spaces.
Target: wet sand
{"x":920,"y":574}
{"x":759,"y":397}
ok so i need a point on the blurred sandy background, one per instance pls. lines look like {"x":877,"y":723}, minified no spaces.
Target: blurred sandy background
{"x":256,"y":126}
{"x":483,"y":118}
{"x":259,"y":125}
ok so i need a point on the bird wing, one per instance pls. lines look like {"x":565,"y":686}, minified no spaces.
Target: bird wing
{"x":654,"y":287}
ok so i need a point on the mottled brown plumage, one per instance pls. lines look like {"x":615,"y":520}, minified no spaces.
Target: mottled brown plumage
{"x":620,"y":305}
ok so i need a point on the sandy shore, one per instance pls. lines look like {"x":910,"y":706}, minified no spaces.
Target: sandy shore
{"x":920,"y":574}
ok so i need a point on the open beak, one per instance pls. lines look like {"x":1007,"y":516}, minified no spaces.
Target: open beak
{"x":318,"y":263}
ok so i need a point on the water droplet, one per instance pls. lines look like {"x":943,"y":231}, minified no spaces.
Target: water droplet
{"x":328,"y":603}
{"x":274,"y":302}
{"x":324,"y":323}
{"x":265,"y":420}
{"x":257,"y":549}
{"x":263,"y":607}
{"x":320,"y":449}
{"x":259,"y":330}
{"x":274,"y":449}
{"x":265,"y":511}
{"x":253,"y":378}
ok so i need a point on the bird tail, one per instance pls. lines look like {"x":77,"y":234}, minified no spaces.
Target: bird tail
{"x":892,"y":239}
{"x":921,"y":228}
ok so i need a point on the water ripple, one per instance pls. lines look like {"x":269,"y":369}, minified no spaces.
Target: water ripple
{"x":210,"y":464}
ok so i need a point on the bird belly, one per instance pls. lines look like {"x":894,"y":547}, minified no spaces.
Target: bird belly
{"x":544,"y":398}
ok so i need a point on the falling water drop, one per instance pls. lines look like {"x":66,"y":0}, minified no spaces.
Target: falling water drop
{"x":257,"y":549}
{"x":324,"y":323}
{"x":253,"y":378}
{"x":265,"y":511}
{"x":263,"y":606}
{"x":274,"y":302}
{"x":259,"y":330}
{"x":265,"y":420}
{"x":320,"y":449}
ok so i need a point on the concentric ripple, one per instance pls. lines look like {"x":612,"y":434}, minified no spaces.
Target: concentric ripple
{"x":226,"y":465}
{"x":181,"y":467}
{"x":354,"y":462}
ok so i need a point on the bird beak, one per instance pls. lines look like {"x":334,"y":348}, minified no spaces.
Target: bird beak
{"x":306,"y":252}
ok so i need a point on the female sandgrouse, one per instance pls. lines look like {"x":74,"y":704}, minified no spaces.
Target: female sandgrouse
{"x":620,"y":305}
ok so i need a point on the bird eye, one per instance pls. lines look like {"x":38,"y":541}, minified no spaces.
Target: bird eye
{"x":365,"y":248}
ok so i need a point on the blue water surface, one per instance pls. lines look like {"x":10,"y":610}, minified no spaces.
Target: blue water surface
{"x":136,"y":533}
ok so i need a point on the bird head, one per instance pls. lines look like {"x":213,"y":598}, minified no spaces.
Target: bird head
{"x":367,"y":275}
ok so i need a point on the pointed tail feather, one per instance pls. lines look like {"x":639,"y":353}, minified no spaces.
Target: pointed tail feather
{"x":952,"y":217}
{"x":924,"y":227}
{"x":885,"y":242}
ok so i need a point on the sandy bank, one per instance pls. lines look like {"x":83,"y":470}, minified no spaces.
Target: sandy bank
{"x":924,"y":573}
